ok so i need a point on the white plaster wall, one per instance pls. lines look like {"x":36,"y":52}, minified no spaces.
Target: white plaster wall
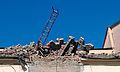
{"x":11,"y":68}
{"x":100,"y":51}
{"x":116,"y":38}
{"x":107,"y":41}
{"x":101,"y":68}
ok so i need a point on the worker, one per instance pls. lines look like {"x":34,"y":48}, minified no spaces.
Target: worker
{"x":60,"y":40}
{"x":72,"y":45}
{"x":88,"y":47}
{"x":70,"y":49}
{"x":52,"y":45}
{"x":39,"y":48}
{"x":81,"y":42}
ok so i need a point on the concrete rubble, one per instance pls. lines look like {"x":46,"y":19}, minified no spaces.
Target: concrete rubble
{"x":59,"y":48}
{"x":54,"y":53}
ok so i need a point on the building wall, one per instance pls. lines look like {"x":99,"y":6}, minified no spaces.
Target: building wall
{"x":107,"y":41}
{"x":101,"y":65}
{"x":101,"y":68}
{"x":116,"y":38}
{"x":100,"y":51}
{"x":58,"y":65}
{"x":11,"y":68}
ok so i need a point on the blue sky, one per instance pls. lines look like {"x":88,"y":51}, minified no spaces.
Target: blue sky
{"x":21,"y":21}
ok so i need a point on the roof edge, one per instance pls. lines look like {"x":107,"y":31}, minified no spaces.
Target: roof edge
{"x":113,"y":25}
{"x":105,"y":37}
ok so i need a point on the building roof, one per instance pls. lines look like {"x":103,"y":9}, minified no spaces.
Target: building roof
{"x":112,"y":26}
{"x":9,"y":60}
{"x":2,"y":47}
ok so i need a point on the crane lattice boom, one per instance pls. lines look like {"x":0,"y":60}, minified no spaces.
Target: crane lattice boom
{"x":46,"y":30}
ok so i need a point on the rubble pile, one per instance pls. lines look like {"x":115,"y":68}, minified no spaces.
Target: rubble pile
{"x":56,"y":55}
{"x":33,"y":52}
{"x":53,"y":50}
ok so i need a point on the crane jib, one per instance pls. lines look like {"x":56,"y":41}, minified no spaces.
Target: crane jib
{"x":48,"y":26}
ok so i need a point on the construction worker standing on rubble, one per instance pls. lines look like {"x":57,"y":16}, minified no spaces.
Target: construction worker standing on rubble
{"x":81,"y":42}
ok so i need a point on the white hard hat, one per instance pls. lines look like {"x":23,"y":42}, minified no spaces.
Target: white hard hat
{"x":51,"y":41}
{"x":71,"y":37}
{"x":61,"y":38}
{"x":82,"y":38}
